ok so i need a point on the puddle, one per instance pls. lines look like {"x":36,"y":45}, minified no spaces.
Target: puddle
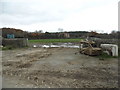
{"x":66,"y":45}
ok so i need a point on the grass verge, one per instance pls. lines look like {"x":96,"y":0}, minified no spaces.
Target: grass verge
{"x":7,"y":48}
{"x":12,"y":47}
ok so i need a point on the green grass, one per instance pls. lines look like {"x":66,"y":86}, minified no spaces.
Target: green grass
{"x":54,"y":40}
{"x":7,"y":48}
{"x":106,"y":56}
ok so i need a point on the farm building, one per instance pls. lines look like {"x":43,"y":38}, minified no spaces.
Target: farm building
{"x":13,"y":37}
{"x":14,"y":33}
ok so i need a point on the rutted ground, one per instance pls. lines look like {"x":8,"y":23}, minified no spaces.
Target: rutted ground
{"x":57,"y":67}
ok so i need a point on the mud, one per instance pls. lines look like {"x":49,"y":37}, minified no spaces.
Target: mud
{"x":57,"y":68}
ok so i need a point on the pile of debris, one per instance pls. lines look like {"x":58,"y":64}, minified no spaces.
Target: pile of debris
{"x":87,"y":47}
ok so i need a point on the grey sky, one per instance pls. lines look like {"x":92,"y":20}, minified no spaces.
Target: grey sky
{"x":49,"y":15}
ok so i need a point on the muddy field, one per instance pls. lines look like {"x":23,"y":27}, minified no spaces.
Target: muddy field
{"x":56,"y":68}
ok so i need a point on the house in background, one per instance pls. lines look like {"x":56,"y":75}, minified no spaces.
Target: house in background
{"x":64,"y":35}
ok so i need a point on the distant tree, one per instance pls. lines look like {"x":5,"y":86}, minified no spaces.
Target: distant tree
{"x":46,"y":32}
{"x":39,"y":31}
{"x":60,"y":29}
{"x":114,"y":34}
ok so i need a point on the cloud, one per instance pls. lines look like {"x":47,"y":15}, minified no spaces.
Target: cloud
{"x":52,"y":14}
{"x":37,"y":11}
{"x":104,"y":18}
{"x":18,"y":13}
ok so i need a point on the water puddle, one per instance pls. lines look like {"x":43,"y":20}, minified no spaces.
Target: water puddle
{"x":65,"y":45}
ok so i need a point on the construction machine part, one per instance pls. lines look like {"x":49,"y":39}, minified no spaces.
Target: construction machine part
{"x":87,"y":48}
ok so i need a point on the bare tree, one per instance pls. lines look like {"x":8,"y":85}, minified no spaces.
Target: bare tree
{"x":60,"y":29}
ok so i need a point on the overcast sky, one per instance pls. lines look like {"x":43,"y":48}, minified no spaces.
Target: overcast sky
{"x":49,"y":15}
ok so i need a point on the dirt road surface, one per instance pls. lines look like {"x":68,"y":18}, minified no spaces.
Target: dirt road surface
{"x":57,"y":68}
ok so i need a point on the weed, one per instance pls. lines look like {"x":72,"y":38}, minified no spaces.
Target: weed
{"x":7,"y":47}
{"x":106,"y":56}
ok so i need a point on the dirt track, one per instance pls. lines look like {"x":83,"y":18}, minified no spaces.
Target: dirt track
{"x":55,"y":68}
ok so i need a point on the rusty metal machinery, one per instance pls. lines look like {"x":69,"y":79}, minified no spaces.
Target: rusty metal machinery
{"x":87,"y":48}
